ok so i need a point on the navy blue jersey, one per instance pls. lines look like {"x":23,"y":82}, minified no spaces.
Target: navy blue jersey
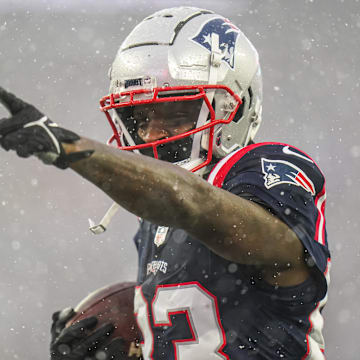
{"x":193,"y":304}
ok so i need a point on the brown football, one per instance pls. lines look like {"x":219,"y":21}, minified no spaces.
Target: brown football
{"x":115,"y":304}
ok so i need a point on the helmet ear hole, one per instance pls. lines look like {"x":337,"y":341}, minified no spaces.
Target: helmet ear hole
{"x":242,"y":108}
{"x":240,"y":111}
{"x":250,"y":96}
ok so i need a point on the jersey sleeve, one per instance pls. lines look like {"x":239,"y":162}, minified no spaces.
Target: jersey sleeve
{"x":287,"y":182}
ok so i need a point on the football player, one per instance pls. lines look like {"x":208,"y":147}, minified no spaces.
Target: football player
{"x":233,"y":254}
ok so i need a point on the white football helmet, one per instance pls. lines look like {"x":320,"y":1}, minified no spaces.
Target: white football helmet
{"x":187,"y":54}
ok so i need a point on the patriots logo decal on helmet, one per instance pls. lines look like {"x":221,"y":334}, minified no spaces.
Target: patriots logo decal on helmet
{"x":228,"y":34}
{"x":283,"y":172}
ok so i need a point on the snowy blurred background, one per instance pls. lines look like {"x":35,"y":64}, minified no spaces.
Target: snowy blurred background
{"x":56,"y":54}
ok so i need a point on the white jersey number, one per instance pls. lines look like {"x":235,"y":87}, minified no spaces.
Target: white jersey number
{"x":202,"y":314}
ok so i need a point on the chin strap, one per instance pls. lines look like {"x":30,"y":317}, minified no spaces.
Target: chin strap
{"x":215,"y":62}
{"x":101,"y":227}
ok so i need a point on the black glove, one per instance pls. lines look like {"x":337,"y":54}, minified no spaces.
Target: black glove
{"x":29,"y":132}
{"x":79,"y":342}
{"x":59,"y":320}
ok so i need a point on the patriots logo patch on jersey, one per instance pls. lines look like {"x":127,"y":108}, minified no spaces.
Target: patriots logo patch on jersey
{"x":283,"y":172}
{"x":228,"y":34}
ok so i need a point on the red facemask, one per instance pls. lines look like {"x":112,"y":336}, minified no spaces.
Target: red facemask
{"x":166,"y":95}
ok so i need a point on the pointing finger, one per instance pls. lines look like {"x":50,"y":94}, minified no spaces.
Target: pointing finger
{"x":12,"y":103}
{"x":17,"y":121}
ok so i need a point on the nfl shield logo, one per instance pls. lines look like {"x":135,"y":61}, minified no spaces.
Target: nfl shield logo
{"x":160,"y":235}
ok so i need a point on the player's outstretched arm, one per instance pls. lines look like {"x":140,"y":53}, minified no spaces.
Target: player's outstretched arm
{"x":163,"y":193}
{"x":158,"y":191}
